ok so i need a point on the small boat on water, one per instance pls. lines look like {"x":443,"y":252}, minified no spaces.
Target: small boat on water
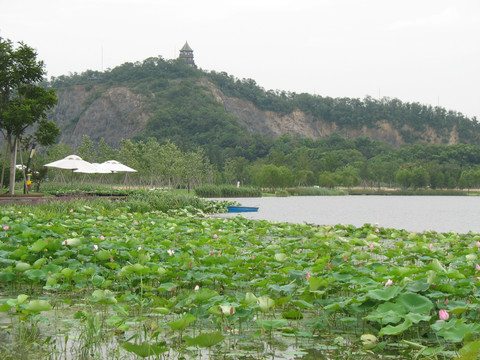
{"x":238,"y":209}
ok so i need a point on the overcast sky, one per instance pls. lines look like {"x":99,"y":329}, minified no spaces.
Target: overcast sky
{"x":425,"y":51}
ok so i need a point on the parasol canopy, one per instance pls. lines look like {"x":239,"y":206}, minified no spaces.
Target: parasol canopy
{"x":115,"y":166}
{"x":72,"y":162}
{"x":94,"y":169}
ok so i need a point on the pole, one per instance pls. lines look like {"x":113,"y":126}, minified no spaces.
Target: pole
{"x":25,"y":187}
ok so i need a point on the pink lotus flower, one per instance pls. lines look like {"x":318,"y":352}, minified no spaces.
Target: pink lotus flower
{"x":372,"y":247}
{"x":6,"y":227}
{"x":71,"y":210}
{"x":197,"y":288}
{"x":377,"y":230}
{"x":111,"y":259}
{"x":231,"y":310}
{"x":443,"y":315}
{"x":389,"y":282}
{"x":308,"y":276}
{"x":173,"y":288}
{"x":447,"y":301}
{"x":360,"y":265}
{"x":95,"y":247}
{"x":253,"y":257}
{"x":65,"y":243}
{"x":344,"y":257}
{"x":102,"y":237}
{"x":135,"y":223}
{"x":478,"y":244}
{"x":190,"y":264}
{"x":477,"y":267}
{"x":430,"y":246}
{"x":215,"y":236}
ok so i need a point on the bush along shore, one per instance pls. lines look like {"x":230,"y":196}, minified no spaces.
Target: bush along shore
{"x":121,"y":279}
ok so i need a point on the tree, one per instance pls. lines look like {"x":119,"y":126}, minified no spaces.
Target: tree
{"x":86,"y":150}
{"x":23,"y":102}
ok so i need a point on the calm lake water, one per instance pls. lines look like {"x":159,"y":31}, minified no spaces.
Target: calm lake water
{"x":413,"y":213}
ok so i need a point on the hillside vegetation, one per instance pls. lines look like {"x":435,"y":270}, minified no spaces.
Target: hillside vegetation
{"x":266,"y":138}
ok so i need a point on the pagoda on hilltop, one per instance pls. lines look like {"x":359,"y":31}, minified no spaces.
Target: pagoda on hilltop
{"x":186,"y":53}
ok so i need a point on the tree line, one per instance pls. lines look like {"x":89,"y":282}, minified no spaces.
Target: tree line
{"x":332,"y":162}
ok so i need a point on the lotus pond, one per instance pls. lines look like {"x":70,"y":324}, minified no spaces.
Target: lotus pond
{"x":96,"y":283}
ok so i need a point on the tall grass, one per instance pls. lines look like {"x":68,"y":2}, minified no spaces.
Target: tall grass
{"x":215,"y":191}
{"x":310,"y":191}
{"x":138,"y":201}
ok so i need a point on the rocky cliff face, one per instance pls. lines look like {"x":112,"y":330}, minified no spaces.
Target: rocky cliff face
{"x":117,"y":113}
{"x":113,"y":114}
{"x":299,"y":124}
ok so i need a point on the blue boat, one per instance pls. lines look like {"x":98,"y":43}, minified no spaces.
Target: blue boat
{"x":238,"y":209}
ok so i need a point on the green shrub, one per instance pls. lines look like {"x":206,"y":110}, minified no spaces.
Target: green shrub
{"x":212,"y":191}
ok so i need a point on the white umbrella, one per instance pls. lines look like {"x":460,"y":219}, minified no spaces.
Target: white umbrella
{"x":94,"y":169}
{"x":115,"y":166}
{"x":72,"y":162}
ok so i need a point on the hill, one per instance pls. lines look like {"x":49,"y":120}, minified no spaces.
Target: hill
{"x":167,"y":99}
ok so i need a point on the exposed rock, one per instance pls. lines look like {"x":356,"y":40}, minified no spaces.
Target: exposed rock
{"x":114,"y":114}
{"x":117,"y":113}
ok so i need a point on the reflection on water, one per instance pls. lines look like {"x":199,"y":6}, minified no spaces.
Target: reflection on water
{"x":413,"y":213}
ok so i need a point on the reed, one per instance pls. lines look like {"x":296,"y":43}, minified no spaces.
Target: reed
{"x":212,"y":191}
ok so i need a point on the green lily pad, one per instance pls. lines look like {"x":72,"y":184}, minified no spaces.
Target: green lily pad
{"x":416,"y":303}
{"x":36,"y":306}
{"x":145,"y":349}
{"x":205,"y":339}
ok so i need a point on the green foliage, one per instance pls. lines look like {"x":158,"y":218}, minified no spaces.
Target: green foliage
{"x":212,"y":191}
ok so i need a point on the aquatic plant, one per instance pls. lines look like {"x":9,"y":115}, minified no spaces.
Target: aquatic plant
{"x":157,"y":283}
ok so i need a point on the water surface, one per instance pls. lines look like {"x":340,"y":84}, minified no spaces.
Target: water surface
{"x":413,"y":213}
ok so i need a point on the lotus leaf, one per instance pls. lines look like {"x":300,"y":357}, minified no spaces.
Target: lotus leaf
{"x":161,"y":310}
{"x":437,"y":266}
{"x":420,"y":285}
{"x":395,"y":330}
{"x":205,"y":339}
{"x":416,"y":318}
{"x":384,"y":294}
{"x":145,"y":349}
{"x":36,"y":274}
{"x":317,"y":283}
{"x":205,"y":294}
{"x":416,"y":303}
{"x":103,"y":297}
{"x":38,"y":246}
{"x":7,"y":276}
{"x":271,"y":324}
{"x":387,"y":312}
{"x":182,"y":323}
{"x":455,"y":330}
{"x":21,"y":266}
{"x":36,"y":306}
{"x":292,"y":315}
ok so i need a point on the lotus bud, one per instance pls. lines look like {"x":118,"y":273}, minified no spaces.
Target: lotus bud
{"x":443,"y":315}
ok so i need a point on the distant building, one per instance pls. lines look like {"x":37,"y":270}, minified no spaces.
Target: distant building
{"x":186,"y":53}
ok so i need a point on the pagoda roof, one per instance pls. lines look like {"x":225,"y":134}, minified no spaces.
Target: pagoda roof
{"x":186,"y":47}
